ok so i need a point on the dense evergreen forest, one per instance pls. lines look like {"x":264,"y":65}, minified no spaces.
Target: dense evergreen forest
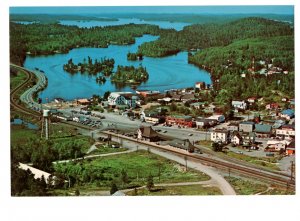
{"x":212,"y":35}
{"x":104,"y":65}
{"x":130,"y":75}
{"x":232,"y":73}
{"x":41,"y":39}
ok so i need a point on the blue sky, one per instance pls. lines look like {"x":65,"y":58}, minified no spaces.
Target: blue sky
{"x":158,"y":9}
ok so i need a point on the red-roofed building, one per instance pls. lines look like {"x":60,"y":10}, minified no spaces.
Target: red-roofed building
{"x":272,"y":106}
{"x":251,"y":100}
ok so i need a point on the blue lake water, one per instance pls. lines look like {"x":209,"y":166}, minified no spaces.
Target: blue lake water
{"x":88,"y":24}
{"x":18,"y":121}
{"x":164,"y":73}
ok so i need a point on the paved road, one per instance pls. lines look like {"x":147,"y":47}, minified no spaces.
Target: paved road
{"x":219,"y":180}
{"x":124,"y":123}
{"x":27,"y":96}
{"x":216,"y":179}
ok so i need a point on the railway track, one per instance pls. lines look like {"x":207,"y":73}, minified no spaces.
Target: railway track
{"x":226,"y":166}
{"x":274,"y":179}
{"x":14,"y":100}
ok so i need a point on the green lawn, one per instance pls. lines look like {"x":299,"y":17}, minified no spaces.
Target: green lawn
{"x":176,"y":191}
{"x":101,"y":172}
{"x":245,"y":187}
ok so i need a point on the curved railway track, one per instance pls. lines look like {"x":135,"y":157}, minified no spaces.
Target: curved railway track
{"x":14,"y":100}
{"x":275,"y":179}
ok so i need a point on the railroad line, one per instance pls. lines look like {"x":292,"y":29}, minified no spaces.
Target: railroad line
{"x":14,"y":102}
{"x":275,"y":179}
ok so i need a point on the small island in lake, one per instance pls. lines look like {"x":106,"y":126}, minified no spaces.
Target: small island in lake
{"x":130,"y":75}
{"x":105,"y":66}
{"x":134,"y":56}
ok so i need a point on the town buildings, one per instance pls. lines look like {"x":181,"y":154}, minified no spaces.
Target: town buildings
{"x":239,"y":105}
{"x":246,"y":126}
{"x":180,"y":120}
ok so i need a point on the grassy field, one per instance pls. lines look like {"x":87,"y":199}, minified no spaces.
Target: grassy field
{"x":63,"y":141}
{"x":267,"y":162}
{"x":17,"y":80}
{"x":176,"y":191}
{"x":246,"y":187}
{"x":277,"y":191}
{"x":103,"y":171}
{"x":260,"y":161}
{"x":20,"y":134}
{"x":249,"y":187}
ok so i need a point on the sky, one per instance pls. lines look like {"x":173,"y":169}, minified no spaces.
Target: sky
{"x":282,"y":9}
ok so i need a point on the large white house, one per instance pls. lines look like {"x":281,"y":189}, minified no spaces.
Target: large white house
{"x":115,"y":99}
{"x":219,"y":136}
{"x":122,"y":98}
{"x":239,"y":105}
{"x":277,"y":145}
{"x":286,"y":130}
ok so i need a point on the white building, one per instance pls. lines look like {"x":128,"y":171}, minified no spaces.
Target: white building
{"x":116,"y":98}
{"x":237,"y":139}
{"x":277,"y":144}
{"x":219,"y":136}
{"x":286,"y":130}
{"x":122,"y":98}
{"x":239,"y":105}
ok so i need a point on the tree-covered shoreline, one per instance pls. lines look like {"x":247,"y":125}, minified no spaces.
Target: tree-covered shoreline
{"x":130,"y":75}
{"x":47,"y":39}
{"x":104,"y":65}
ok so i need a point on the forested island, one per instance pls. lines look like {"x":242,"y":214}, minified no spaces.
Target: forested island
{"x":130,"y":75}
{"x":104,"y":65}
{"x":134,"y":56}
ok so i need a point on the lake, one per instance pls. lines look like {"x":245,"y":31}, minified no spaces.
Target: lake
{"x":165,"y":73}
{"x":122,"y":21}
{"x":18,"y":121}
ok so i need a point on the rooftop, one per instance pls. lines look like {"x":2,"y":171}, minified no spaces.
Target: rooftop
{"x":263,"y":128}
{"x":288,"y":112}
{"x":220,"y":131}
{"x":181,"y":117}
{"x":247,"y":122}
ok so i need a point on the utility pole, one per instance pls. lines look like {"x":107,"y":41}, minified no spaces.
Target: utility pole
{"x":185,"y":158}
{"x":292,"y":170}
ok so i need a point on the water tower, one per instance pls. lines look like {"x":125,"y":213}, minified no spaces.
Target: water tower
{"x":45,"y":124}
